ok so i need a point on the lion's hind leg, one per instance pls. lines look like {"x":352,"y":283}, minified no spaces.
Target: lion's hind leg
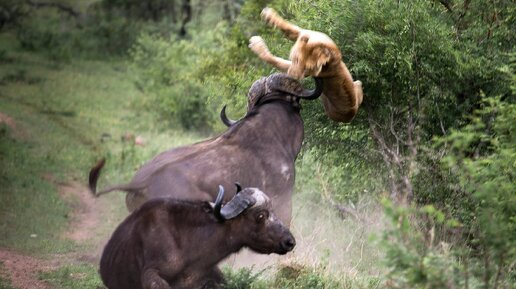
{"x":272,"y":18}
{"x":359,"y":94}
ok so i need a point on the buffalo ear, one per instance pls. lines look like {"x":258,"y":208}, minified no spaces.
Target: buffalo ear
{"x":218,"y":204}
{"x":207,"y":207}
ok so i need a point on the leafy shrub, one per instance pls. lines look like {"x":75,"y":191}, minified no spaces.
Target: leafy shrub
{"x":63,"y":38}
{"x":11,"y":11}
{"x":243,"y":278}
{"x":46,"y":34}
{"x":301,"y":277}
{"x":171,"y":70}
{"x":293,"y":275}
{"x":428,"y":249}
{"x":415,"y":254}
{"x":146,"y":9}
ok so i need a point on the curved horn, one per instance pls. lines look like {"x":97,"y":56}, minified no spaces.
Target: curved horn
{"x":218,"y":204}
{"x":237,"y":205}
{"x":284,"y":83}
{"x":238,"y":187}
{"x":314,"y":93}
{"x":228,"y":122}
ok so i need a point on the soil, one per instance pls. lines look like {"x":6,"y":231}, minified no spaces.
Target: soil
{"x":85,"y":214}
{"x":23,"y":270}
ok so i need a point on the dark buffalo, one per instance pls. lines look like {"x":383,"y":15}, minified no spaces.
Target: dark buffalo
{"x":259,"y":151}
{"x":169,"y":243}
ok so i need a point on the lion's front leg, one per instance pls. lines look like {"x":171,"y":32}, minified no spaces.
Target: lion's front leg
{"x":258,"y":46}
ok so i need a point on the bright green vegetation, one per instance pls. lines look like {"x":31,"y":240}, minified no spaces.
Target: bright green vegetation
{"x":417,"y":192}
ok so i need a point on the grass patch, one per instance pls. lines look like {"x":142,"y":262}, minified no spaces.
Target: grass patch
{"x":60,"y":126}
{"x":295,"y":275}
{"x":73,"y":277}
{"x":31,"y":210}
{"x":4,"y":282}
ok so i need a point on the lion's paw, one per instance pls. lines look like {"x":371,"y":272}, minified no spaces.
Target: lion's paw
{"x":258,"y":46}
{"x":269,"y":15}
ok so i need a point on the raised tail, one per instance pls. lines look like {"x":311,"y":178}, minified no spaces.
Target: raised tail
{"x":94,"y":175}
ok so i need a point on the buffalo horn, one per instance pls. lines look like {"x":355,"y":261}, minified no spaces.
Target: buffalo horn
{"x":237,"y":205}
{"x":218,"y":203}
{"x":314,"y":93}
{"x":286,"y":84}
{"x":228,"y":122}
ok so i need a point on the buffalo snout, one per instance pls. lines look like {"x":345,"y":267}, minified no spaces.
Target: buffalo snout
{"x":287,"y":244}
{"x":282,"y":239}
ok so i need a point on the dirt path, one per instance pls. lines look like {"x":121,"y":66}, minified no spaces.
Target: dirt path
{"x":23,"y":270}
{"x":85,"y":211}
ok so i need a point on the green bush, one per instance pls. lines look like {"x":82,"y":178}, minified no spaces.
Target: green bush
{"x":11,"y":11}
{"x":171,"y":70}
{"x":145,"y":10}
{"x":243,"y":278}
{"x":301,"y":277}
{"x":428,"y":249}
{"x":65,"y":38}
{"x":416,"y":254}
{"x":293,"y":275}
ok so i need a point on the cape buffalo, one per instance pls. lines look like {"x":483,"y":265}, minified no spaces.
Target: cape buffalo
{"x":169,"y":243}
{"x":259,"y":151}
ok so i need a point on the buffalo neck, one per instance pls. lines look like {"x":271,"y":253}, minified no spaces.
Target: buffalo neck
{"x":211,"y":242}
{"x":275,"y":125}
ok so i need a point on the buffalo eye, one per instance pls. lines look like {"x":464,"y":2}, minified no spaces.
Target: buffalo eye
{"x":261,"y":217}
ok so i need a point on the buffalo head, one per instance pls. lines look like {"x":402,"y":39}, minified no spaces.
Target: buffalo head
{"x":250,"y":212}
{"x":278,"y":86}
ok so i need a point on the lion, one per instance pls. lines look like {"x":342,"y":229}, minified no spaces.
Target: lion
{"x":314,"y":54}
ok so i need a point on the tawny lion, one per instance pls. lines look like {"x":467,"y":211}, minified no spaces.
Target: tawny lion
{"x":314,"y":54}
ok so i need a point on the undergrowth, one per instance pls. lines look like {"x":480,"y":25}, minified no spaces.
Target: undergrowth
{"x":74,"y":277}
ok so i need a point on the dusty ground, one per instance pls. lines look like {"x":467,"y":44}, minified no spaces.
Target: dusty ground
{"x":85,"y":211}
{"x":23,"y":270}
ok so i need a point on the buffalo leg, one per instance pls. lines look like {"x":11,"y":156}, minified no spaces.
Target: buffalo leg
{"x":214,"y":279}
{"x":152,"y":280}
